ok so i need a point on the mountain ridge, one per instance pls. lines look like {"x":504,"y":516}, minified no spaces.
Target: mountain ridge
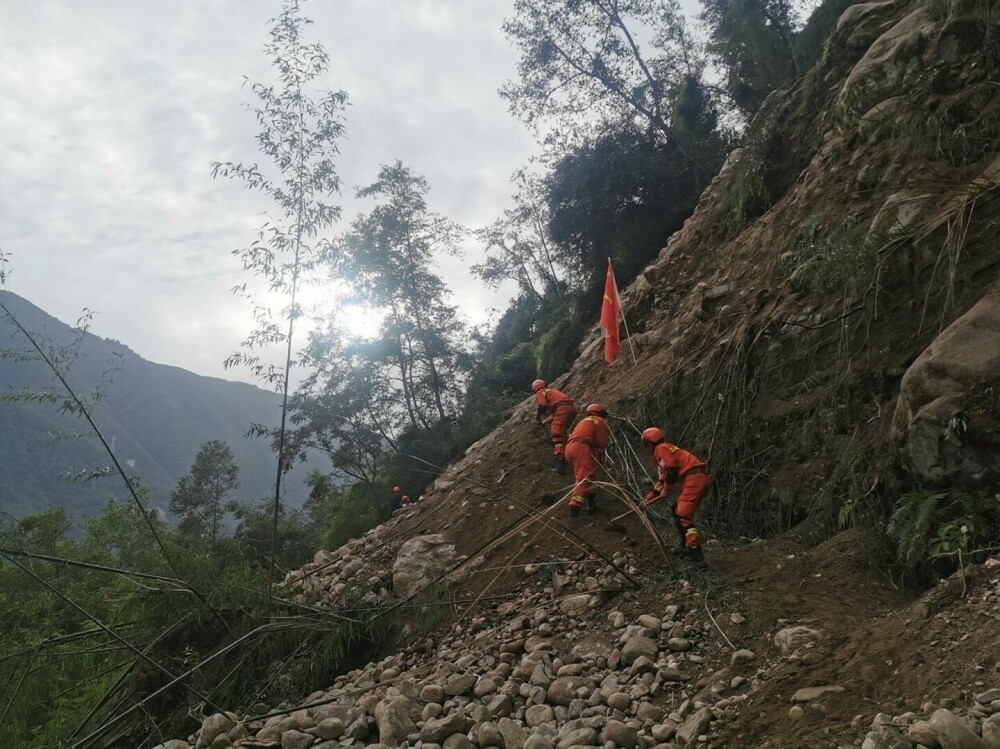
{"x":157,"y":415}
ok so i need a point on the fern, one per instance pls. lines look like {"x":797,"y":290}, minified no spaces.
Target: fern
{"x":929,"y":523}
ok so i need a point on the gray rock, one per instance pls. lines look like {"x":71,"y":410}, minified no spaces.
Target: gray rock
{"x":513,"y":734}
{"x":791,"y":639}
{"x":649,"y":711}
{"x":420,"y":561}
{"x":922,"y":733}
{"x":432,"y":693}
{"x":457,"y":684}
{"x":360,"y":729}
{"x":538,"y":714}
{"x":174,"y":744}
{"x":296,"y":740}
{"x":886,"y":739}
{"x":619,"y":701}
{"x":650,"y":622}
{"x":696,"y":724}
{"x":741,"y":658}
{"x":622,"y":735}
{"x":950,"y":377}
{"x":663,"y":732}
{"x":458,"y":741}
{"x":488,"y":734}
{"x":812,"y":694}
{"x":952,"y":733}
{"x":985,"y":698}
{"x":213,"y":726}
{"x":392,"y":715}
{"x":638,"y":646}
{"x":535,"y":741}
{"x":562,"y":691}
{"x":679,"y":644}
{"x":991,"y":731}
{"x":437,"y":730}
{"x":578,"y":737}
{"x":331,"y":728}
{"x":576,"y":604}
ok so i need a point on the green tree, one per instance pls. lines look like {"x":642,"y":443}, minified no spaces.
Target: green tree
{"x":200,"y":497}
{"x":582,"y":64}
{"x":754,"y":42}
{"x":299,"y":134}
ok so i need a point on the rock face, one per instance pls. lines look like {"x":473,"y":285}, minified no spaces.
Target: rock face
{"x":957,"y":376}
{"x":420,"y":561}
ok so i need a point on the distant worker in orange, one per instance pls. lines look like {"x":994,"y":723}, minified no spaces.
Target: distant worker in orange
{"x":396,"y":500}
{"x":674,"y":465}
{"x":584,"y":452}
{"x":561,"y":412}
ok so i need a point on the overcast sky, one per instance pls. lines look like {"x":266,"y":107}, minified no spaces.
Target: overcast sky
{"x":111,"y":112}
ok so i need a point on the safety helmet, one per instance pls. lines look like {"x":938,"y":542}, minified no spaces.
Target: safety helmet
{"x":537,"y":385}
{"x":652,"y":436}
{"x":396,"y":489}
{"x":596,"y":409}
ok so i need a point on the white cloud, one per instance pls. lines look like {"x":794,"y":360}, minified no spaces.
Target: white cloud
{"x":113,"y":111}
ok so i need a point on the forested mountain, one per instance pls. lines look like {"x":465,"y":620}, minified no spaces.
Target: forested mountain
{"x":157,"y":415}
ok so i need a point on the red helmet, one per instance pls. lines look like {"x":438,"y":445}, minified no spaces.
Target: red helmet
{"x":396,"y":489}
{"x":652,"y":436}
{"x":537,"y":385}
{"x":596,"y":409}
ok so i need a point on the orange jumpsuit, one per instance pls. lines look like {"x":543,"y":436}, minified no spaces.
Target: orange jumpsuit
{"x":584,"y":451}
{"x":562,"y":410}
{"x":676,"y":464}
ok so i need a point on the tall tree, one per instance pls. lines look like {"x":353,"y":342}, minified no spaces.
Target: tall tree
{"x":754,"y":41}
{"x":389,"y":253}
{"x":582,"y":64}
{"x":200,"y":497}
{"x":299,"y":134}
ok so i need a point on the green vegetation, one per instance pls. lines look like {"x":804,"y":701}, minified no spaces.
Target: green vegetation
{"x":929,"y":524}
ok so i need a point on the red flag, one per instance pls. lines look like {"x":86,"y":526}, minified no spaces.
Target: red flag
{"x":610,"y":313}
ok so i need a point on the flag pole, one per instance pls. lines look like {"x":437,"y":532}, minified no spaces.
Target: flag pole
{"x":631,"y":348}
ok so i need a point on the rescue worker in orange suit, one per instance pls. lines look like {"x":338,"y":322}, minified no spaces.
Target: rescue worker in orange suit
{"x":396,"y":501}
{"x":674,"y":465}
{"x":561,"y":412}
{"x":584,"y":452}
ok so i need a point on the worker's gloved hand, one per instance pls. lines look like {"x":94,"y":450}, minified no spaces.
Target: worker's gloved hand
{"x":658,"y":487}
{"x":650,"y":497}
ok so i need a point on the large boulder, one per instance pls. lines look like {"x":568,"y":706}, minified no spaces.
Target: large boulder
{"x":946,"y":428}
{"x":394,"y":722}
{"x":421,"y":561}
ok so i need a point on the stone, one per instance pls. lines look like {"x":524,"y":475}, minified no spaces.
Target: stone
{"x":392,"y":716}
{"x":953,"y":376}
{"x":513,"y":734}
{"x":741,"y":658}
{"x":795,"y":712}
{"x":437,"y":730}
{"x":488,"y":734}
{"x":952,"y":733}
{"x":458,"y":684}
{"x":619,"y":701}
{"x":535,"y":741}
{"x":296,"y":740}
{"x":695,"y":725}
{"x":222,"y":742}
{"x":647,"y":711}
{"x":431,"y":710}
{"x":420,"y":561}
{"x":359,"y":729}
{"x":458,"y":741}
{"x":812,"y":694}
{"x":578,"y":737}
{"x":922,"y":733}
{"x":679,"y":644}
{"x":212,"y":727}
{"x":485,"y":687}
{"x":331,"y":728}
{"x":991,"y":731}
{"x":562,"y":691}
{"x":576,"y":604}
{"x":886,"y":738}
{"x":637,"y":646}
{"x":538,"y":714}
{"x":650,"y":622}
{"x":662,"y":732}
{"x":985,"y":698}
{"x":623,"y":736}
{"x":432,"y":693}
{"x":175,"y":744}
{"x":790,"y":639}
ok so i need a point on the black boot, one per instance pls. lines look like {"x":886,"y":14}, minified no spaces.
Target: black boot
{"x":574,"y":512}
{"x":697,"y":558}
{"x":679,"y":551}
{"x":560,"y":466}
{"x":590,"y":506}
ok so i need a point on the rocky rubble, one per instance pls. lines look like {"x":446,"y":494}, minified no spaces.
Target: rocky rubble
{"x":533,"y":673}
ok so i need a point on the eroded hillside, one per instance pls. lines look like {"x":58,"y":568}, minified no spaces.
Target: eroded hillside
{"x":814,"y":328}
